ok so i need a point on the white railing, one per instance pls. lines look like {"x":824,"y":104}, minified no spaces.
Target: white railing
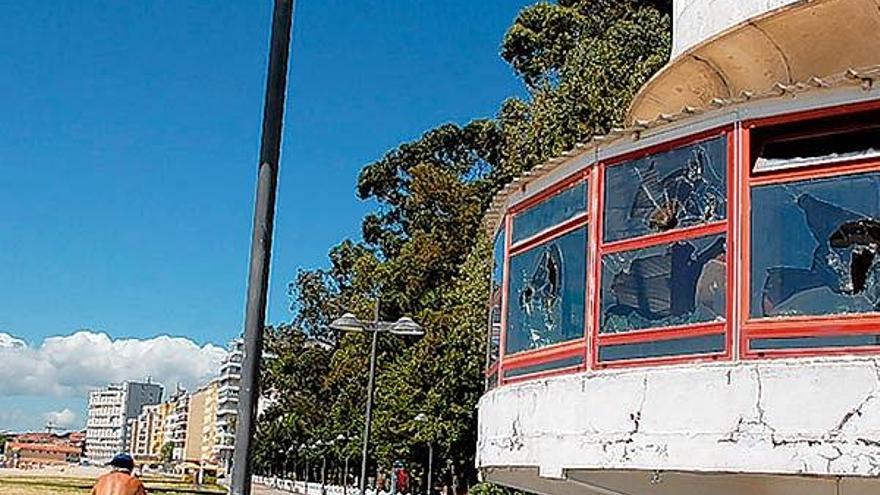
{"x":312,"y":488}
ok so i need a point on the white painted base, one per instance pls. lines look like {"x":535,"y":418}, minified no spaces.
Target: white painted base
{"x":817,"y":417}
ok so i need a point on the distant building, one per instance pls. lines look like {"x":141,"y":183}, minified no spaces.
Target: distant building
{"x":201,"y":435}
{"x":228,"y":383}
{"x":33,"y":450}
{"x":176,"y":424}
{"x":110,"y":410}
{"x":147,"y":433}
{"x":35,"y":455}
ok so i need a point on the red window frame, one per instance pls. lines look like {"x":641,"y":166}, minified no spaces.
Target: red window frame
{"x":562,"y":350}
{"x":495,"y":368}
{"x":719,"y":227}
{"x":798,"y":326}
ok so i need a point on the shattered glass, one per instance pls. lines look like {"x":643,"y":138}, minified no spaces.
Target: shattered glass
{"x":815,"y":245}
{"x":678,"y":188}
{"x":547,"y":292}
{"x":495,"y":297}
{"x":681,"y":283}
{"x":558,"y":208}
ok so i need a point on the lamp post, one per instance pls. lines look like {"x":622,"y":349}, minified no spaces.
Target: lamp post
{"x":350,"y":323}
{"x":344,"y":449}
{"x":423,"y":418}
{"x":304,"y":448}
{"x":261,"y":245}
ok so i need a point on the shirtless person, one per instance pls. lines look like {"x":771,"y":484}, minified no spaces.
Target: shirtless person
{"x":119,"y":481}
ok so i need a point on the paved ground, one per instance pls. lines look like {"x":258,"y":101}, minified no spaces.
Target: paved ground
{"x":262,"y":490}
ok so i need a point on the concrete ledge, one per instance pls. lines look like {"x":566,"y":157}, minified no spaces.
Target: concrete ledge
{"x":795,"y":417}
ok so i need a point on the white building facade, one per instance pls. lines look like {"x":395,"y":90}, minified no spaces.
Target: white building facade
{"x":228,"y":383}
{"x":692,"y":304}
{"x":110,"y":410}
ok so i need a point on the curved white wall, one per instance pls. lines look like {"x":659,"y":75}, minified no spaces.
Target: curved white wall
{"x":793,"y":416}
{"x":695,"y":20}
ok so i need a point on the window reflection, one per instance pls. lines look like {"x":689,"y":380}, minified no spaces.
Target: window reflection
{"x":679,"y":188}
{"x":547,"y":293}
{"x":495,"y":297}
{"x":564,"y":205}
{"x":814,"y":247}
{"x":671,"y":284}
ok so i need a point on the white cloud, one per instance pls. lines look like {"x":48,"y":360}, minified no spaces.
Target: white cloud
{"x":73,"y":364}
{"x":64,"y":418}
{"x":9,"y":342}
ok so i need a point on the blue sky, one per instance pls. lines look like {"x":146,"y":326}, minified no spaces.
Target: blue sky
{"x":129,"y":137}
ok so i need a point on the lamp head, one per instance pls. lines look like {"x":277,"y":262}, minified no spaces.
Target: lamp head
{"x":347,"y":323}
{"x":407,"y":326}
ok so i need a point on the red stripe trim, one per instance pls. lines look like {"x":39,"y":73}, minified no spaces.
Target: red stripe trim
{"x":660,"y":334}
{"x":684,"y":233}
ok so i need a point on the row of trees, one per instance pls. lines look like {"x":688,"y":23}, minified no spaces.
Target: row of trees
{"x":422,"y":252}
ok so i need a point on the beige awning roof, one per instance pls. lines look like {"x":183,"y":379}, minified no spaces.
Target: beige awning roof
{"x":811,"y":38}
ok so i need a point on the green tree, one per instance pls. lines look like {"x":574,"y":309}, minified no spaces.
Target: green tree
{"x":423,"y":253}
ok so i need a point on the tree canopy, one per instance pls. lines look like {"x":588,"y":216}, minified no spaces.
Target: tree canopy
{"x":421,"y":251}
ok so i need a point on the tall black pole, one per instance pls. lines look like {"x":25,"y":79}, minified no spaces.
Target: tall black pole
{"x":368,"y":417}
{"x":261,"y":244}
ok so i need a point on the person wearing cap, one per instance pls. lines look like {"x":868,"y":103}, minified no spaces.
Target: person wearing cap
{"x":119,"y":481}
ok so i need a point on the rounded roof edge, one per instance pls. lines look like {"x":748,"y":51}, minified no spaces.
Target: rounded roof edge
{"x":797,"y":42}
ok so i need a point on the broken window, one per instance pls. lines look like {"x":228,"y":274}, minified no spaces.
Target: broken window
{"x":547,"y":293}
{"x":495,"y":298}
{"x":814,"y":247}
{"x":678,"y":188}
{"x":816,"y":142}
{"x":679,"y":283}
{"x":562,"y":206}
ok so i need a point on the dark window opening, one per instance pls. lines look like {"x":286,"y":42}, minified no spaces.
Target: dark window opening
{"x":680,"y":283}
{"x":814,"y":247}
{"x":547,"y":293}
{"x":543,"y":367}
{"x":829,"y":140}
{"x":814,"y":342}
{"x":678,"y":188}
{"x":704,"y":344}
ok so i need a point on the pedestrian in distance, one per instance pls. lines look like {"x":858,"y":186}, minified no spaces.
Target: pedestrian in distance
{"x":120,"y":481}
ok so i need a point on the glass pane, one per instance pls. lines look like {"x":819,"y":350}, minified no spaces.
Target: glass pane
{"x":679,"y":188}
{"x":704,"y":344}
{"x":814,"y":342}
{"x":495,"y":297}
{"x":542,"y":367}
{"x":491,"y":381}
{"x":552,"y":211}
{"x":547,"y":293}
{"x":814,"y":247}
{"x":671,"y":284}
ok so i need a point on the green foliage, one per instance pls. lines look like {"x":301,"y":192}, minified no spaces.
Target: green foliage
{"x":166,"y":453}
{"x":423,"y":253}
{"x":492,"y":489}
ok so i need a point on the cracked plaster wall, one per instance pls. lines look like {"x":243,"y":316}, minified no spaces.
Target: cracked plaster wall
{"x":695,"y":20}
{"x":799,"y":416}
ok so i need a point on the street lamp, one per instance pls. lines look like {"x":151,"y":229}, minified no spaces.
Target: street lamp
{"x":350,"y":323}
{"x":423,"y":418}
{"x":339,"y":440}
{"x":304,"y":448}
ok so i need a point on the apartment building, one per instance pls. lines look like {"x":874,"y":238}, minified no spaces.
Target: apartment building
{"x":176,"y":422}
{"x":147,"y":433}
{"x":109,"y":413}
{"x":228,"y":383}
